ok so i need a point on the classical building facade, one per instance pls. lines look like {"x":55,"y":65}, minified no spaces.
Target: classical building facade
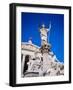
{"x":40,"y":61}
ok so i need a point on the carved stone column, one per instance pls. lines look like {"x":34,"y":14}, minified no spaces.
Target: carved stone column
{"x":22,"y":65}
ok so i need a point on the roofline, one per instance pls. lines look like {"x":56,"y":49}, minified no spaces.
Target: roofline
{"x":30,"y":44}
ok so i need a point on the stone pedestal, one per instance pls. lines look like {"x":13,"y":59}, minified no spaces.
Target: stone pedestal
{"x":46,"y":62}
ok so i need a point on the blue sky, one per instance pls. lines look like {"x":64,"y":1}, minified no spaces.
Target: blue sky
{"x":31,"y":22}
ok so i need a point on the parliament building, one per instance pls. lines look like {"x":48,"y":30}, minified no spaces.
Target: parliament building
{"x":40,"y":61}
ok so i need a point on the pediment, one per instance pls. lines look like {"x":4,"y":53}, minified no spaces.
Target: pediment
{"x":28,"y":46}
